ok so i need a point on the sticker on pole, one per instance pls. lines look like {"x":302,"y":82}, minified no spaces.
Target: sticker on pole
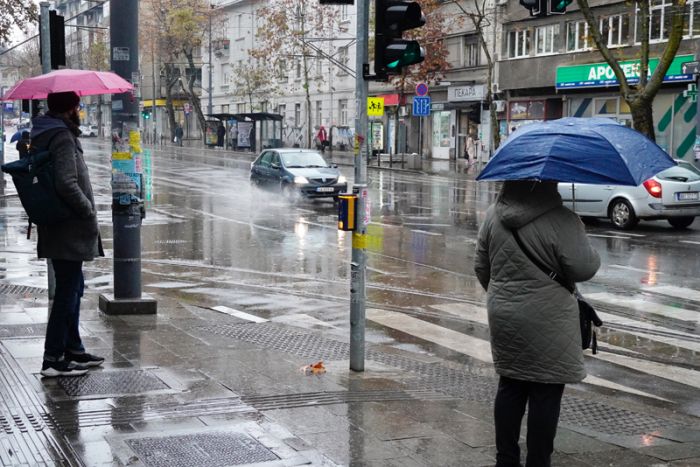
{"x":375,"y":106}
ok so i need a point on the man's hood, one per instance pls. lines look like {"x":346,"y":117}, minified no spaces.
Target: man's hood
{"x":44,"y":123}
{"x":521,"y":202}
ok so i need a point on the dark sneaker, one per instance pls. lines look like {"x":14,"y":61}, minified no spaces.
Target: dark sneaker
{"x":62,"y":368}
{"x":84,"y":359}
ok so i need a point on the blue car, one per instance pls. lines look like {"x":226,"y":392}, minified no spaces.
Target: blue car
{"x":297,"y":173}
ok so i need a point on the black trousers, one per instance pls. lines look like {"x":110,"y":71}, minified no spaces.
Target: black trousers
{"x":543,"y":402}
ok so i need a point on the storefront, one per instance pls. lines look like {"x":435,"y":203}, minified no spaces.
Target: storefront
{"x":594,"y":93}
{"x":466,"y":102}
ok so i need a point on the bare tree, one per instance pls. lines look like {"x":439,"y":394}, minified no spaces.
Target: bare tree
{"x":640,"y":96}
{"x":15,"y":14}
{"x":252,"y":80}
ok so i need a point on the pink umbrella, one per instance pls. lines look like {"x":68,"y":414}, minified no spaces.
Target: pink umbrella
{"x":82,"y":82}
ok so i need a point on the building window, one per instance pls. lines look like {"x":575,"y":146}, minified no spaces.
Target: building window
{"x":344,"y":13}
{"x":319,"y":65}
{"x":693,"y":22}
{"x":615,"y":30}
{"x":343,"y":111}
{"x":319,"y":112}
{"x":518,"y":43}
{"x":282,"y":110}
{"x":297,"y":115}
{"x":297,"y":69}
{"x":545,"y":39}
{"x":344,"y":58}
{"x":660,"y":14}
{"x":224,"y":108}
{"x":282,"y":69}
{"x":472,"y":52}
{"x":576,"y":36}
{"x":240,"y":108}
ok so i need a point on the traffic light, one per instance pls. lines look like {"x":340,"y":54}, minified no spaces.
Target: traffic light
{"x":391,"y":52}
{"x":146,"y":114}
{"x":535,"y":6}
{"x":57,"y":34}
{"x":558,"y":7}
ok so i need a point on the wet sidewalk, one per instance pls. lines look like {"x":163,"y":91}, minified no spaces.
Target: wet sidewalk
{"x":201,"y":384}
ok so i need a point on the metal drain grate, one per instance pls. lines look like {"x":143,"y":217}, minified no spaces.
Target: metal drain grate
{"x":273,"y":337}
{"x":22,"y":330}
{"x":114,"y":382}
{"x":10,"y":289}
{"x":201,"y":449}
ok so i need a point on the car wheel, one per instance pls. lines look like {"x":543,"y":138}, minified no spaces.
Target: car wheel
{"x":622,"y":214}
{"x":681,"y":222}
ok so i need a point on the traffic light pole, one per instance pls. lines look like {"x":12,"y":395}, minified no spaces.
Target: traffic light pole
{"x":358,"y":265}
{"x":127,"y":180}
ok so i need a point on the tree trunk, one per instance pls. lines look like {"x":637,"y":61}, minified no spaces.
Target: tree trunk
{"x":194,"y":100}
{"x":100,"y":133}
{"x":171,"y":109}
{"x":643,"y":117}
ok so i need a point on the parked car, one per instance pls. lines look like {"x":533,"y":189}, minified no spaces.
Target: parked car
{"x":89,"y":130}
{"x":297,"y":172}
{"x":672,"y":194}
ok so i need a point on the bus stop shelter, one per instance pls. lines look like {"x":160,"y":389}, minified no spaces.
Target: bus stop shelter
{"x":254,"y":127}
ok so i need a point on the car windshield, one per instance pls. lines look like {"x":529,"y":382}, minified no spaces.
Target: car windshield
{"x":683,"y":172}
{"x":303,"y":159}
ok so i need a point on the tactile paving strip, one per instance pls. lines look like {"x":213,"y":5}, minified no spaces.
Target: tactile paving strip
{"x":10,"y":289}
{"x":111,"y":382}
{"x":200,"y":449}
{"x":468,"y":383}
{"x":22,"y":330}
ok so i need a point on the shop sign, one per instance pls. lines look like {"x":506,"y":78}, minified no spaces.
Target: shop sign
{"x":601,"y":74}
{"x":474,"y":92}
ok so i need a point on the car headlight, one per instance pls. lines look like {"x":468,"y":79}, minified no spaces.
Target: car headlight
{"x":299,"y":180}
{"x":342,"y":179}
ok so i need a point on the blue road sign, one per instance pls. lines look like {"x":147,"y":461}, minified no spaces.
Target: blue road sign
{"x":421,"y":106}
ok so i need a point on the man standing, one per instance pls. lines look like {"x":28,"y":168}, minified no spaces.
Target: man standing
{"x":70,"y":242}
{"x":178,"y":134}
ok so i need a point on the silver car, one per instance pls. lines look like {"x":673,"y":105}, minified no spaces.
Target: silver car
{"x":672,"y":195}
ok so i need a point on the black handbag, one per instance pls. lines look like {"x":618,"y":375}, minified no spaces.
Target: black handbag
{"x":587,"y":315}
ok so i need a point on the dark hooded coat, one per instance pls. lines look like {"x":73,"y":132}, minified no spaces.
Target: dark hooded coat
{"x":533,"y":320}
{"x":76,"y":239}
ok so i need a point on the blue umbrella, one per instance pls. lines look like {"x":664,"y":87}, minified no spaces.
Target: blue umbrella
{"x":17,"y":136}
{"x":578,"y":150}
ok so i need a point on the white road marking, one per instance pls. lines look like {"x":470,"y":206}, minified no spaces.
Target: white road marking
{"x":467,"y":311}
{"x":609,"y":236}
{"x":630,"y":268}
{"x":173,"y":285}
{"x":479,"y":349}
{"x":596,"y":381}
{"x":645,"y":306}
{"x":453,"y":340}
{"x":301,"y":320}
{"x":678,"y":292}
{"x":626,"y":233}
{"x":239,"y":314}
{"x":424,"y":232}
{"x":660,"y":370}
{"x":692,"y":242}
{"x":423,"y":224}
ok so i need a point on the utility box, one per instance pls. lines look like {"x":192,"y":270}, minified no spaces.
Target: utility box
{"x":347,"y":214}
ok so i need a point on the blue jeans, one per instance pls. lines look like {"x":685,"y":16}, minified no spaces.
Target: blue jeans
{"x":62,"y":332}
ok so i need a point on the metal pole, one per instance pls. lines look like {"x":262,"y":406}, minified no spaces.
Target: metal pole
{"x":359,"y":259}
{"x":127,"y":203}
{"x":2,"y":134}
{"x":209,"y":104}
{"x":45,"y":26}
{"x":153,"y":97}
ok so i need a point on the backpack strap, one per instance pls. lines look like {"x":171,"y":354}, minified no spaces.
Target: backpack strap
{"x":549,"y":272}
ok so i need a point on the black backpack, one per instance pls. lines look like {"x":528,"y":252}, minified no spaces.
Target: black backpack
{"x":34,"y":180}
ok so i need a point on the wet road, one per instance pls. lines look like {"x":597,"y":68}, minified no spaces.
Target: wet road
{"x":212,"y":240}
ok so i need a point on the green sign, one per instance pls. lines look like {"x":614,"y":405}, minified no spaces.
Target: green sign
{"x":600,"y":74}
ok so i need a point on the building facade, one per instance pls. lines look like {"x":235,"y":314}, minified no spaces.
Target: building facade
{"x":550,"y":69}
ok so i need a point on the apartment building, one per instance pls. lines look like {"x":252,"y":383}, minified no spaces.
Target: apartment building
{"x":329,"y":57}
{"x":549,"y":69}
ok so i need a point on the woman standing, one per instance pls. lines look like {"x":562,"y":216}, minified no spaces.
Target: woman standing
{"x":533,"y":320}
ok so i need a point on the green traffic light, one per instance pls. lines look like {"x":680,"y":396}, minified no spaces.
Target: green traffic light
{"x":403,"y":53}
{"x":559,"y":6}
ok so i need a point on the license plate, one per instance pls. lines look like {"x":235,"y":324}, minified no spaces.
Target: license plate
{"x":687,"y":196}
{"x":328,"y":189}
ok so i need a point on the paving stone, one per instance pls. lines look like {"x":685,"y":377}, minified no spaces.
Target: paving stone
{"x":672,"y":452}
{"x":445,"y":451}
{"x":570,"y":442}
{"x":352,"y":446}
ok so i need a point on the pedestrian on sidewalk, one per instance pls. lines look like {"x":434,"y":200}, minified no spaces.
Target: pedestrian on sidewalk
{"x":68,"y":243}
{"x":533,"y":320}
{"x":220,"y":135}
{"x":471,"y":149}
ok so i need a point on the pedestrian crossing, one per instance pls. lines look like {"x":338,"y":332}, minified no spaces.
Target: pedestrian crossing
{"x":614,"y":356}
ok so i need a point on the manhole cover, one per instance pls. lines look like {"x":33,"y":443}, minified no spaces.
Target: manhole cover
{"x":11,"y":289}
{"x":22,"y":330}
{"x":200,"y":449}
{"x":115,"y":382}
